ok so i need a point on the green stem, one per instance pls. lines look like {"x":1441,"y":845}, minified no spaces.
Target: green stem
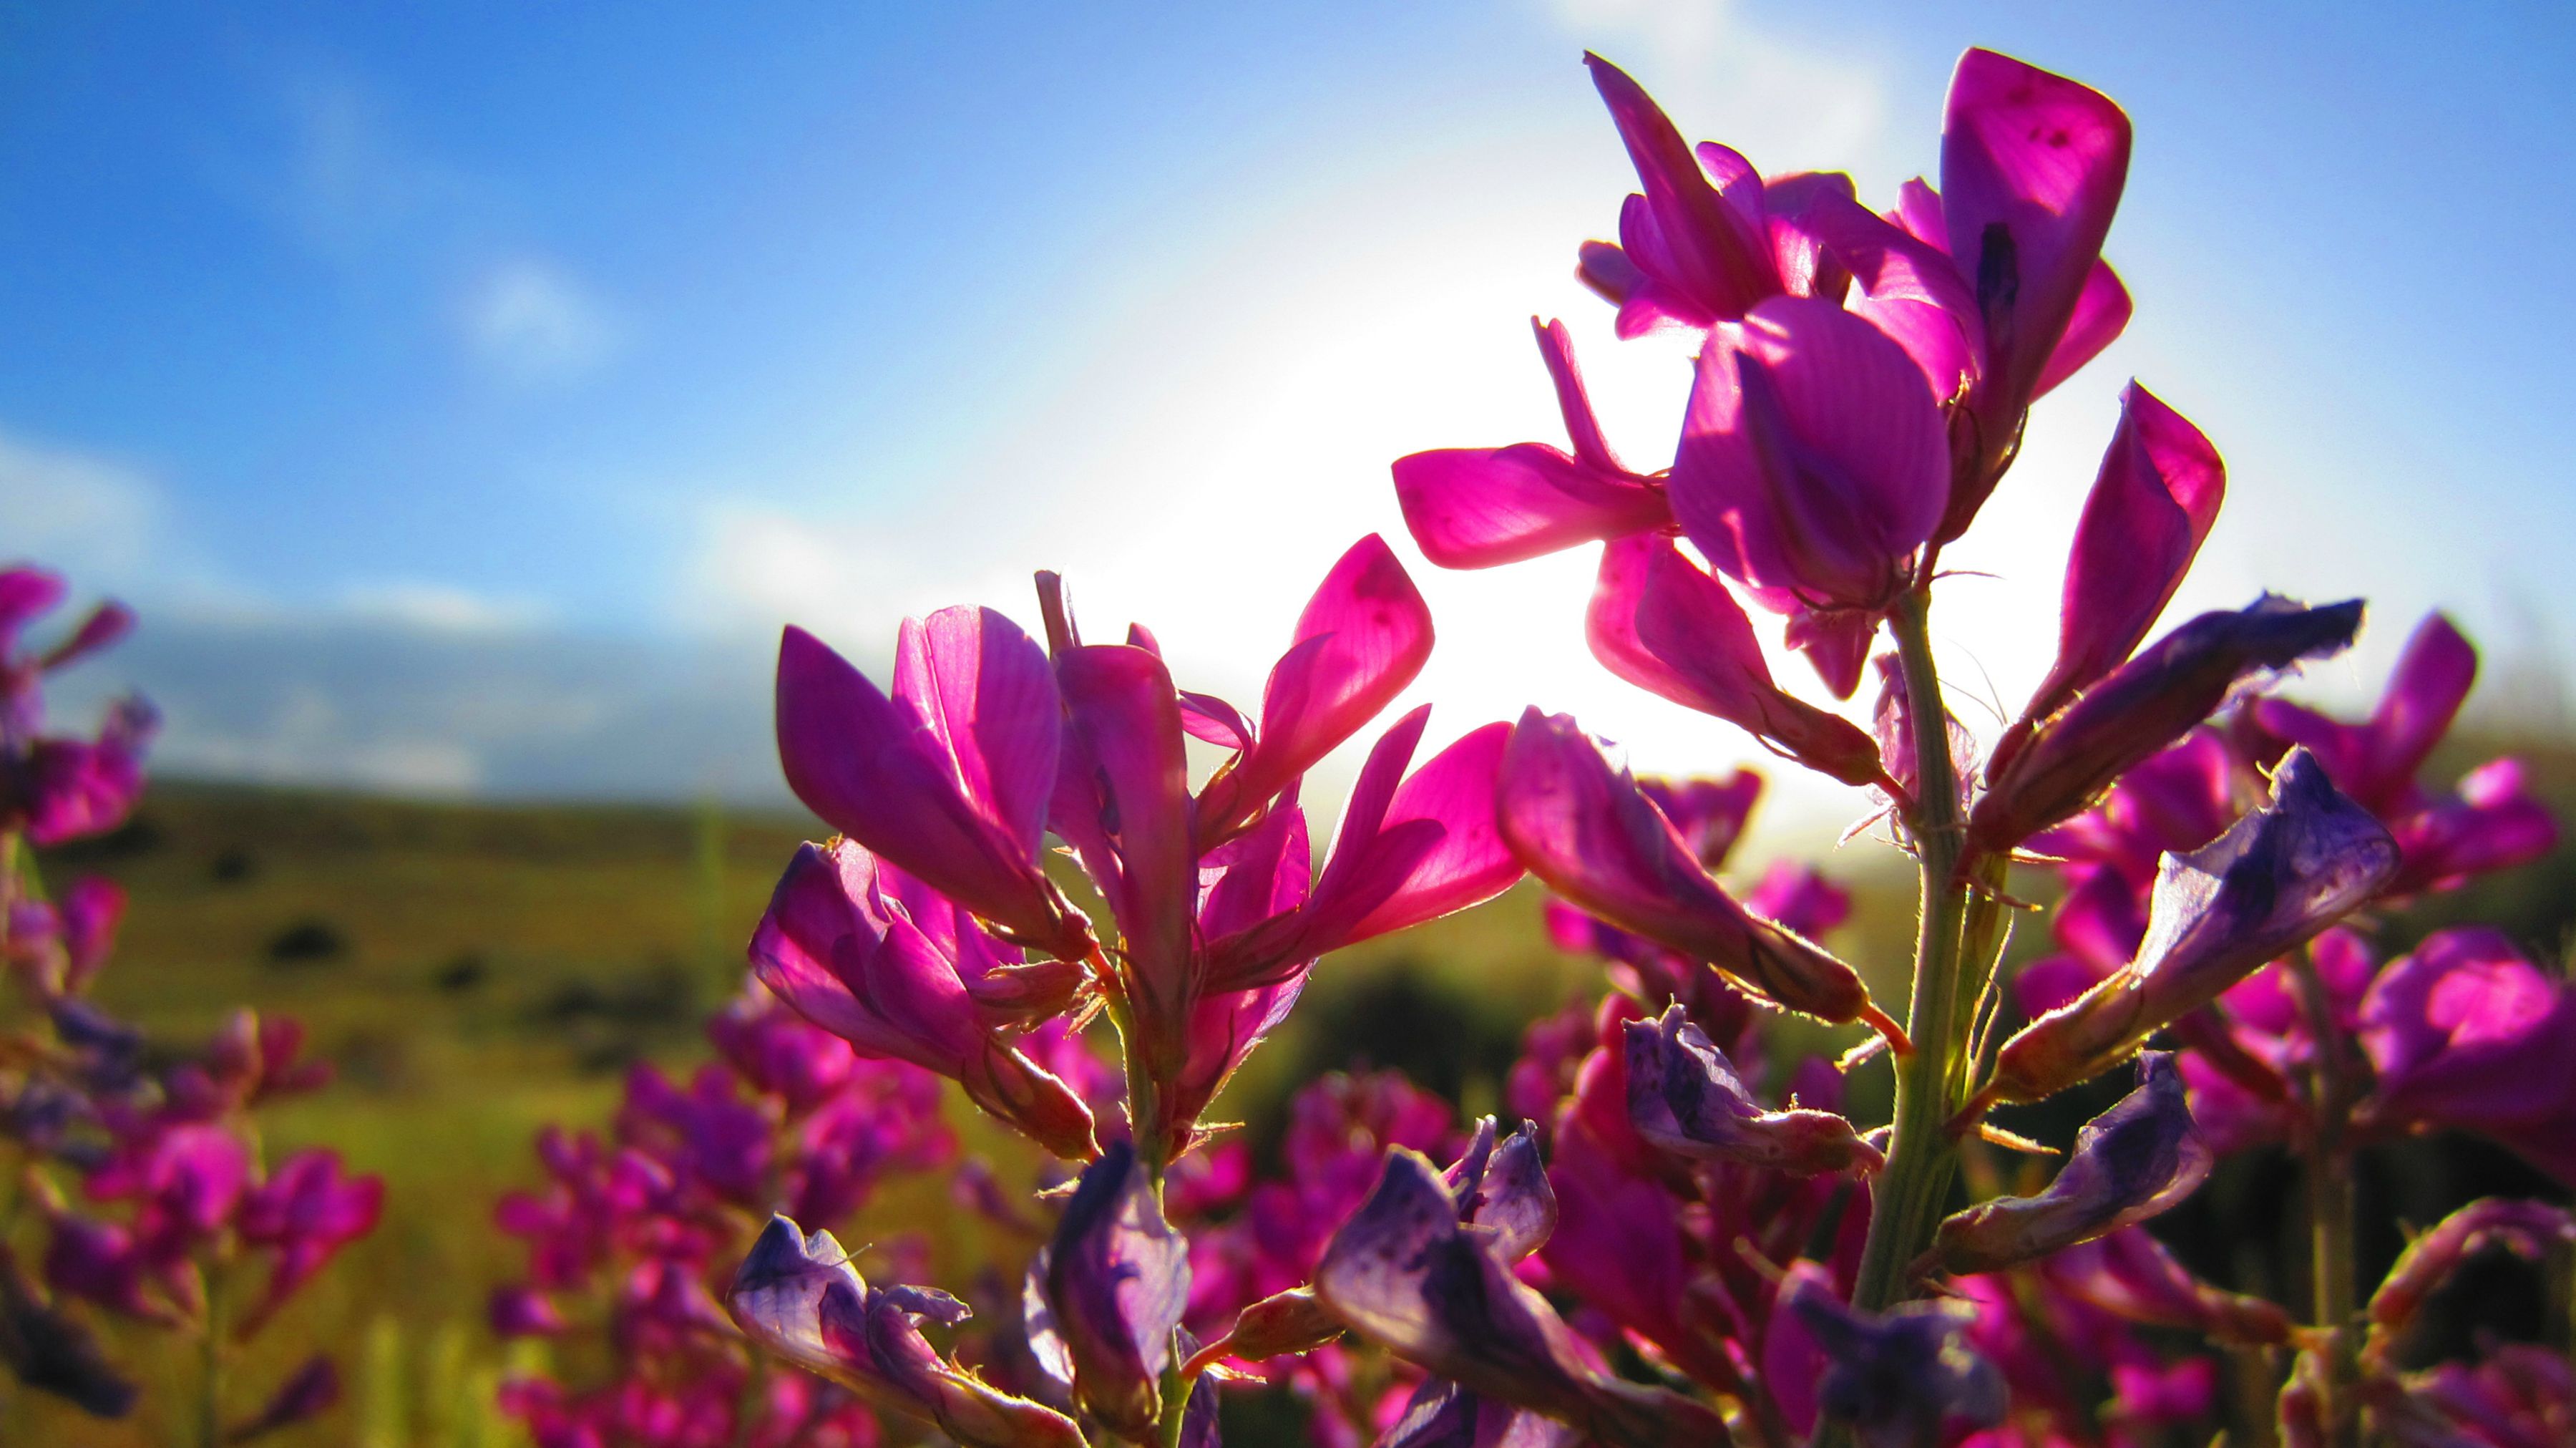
{"x":2331,"y":1266}
{"x":1922,"y":1159}
{"x":210,"y":1399}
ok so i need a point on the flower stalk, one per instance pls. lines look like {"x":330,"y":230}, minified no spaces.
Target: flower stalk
{"x":1922,"y":1158}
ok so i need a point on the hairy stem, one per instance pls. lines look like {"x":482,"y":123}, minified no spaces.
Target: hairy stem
{"x":1930,"y":1084}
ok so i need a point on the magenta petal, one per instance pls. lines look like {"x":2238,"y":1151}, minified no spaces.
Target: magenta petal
{"x":1454,"y":791}
{"x":1711,"y":252}
{"x":2101,"y":313}
{"x":1117,"y":1277}
{"x":2467,"y":1033}
{"x":1556,"y":349}
{"x":26,"y":594}
{"x":2527,"y":1229}
{"x":2032,"y":165}
{"x":832,"y":949}
{"x":1813,"y":458}
{"x":1362,"y":638}
{"x":984,"y":691}
{"x":2130,"y":1275}
{"x":2135,"y":1161}
{"x":2151,"y":506}
{"x":1128,"y":720}
{"x":1586,"y":830}
{"x":1476,"y":508}
{"x":878,"y":772}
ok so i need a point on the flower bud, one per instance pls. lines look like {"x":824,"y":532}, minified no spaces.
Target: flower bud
{"x":1684,"y":1096}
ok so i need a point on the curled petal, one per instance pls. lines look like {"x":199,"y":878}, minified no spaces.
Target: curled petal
{"x":1684,"y":1096}
{"x":2147,"y":704}
{"x":2527,"y":1229}
{"x":1443,"y":1415}
{"x":1503,"y":1188}
{"x":2132,"y":1162}
{"x":2272,"y":882}
{"x":1896,"y":1377}
{"x":1593,"y":837}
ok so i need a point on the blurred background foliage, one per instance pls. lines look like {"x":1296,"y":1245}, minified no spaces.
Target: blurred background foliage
{"x":479,"y":970}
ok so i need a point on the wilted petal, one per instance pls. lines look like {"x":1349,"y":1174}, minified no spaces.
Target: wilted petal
{"x":46,"y":1348}
{"x":1443,"y":1415}
{"x":1586,"y":830}
{"x":1813,"y":458}
{"x":2130,"y":1274}
{"x":2151,"y":506}
{"x":1665,"y":626}
{"x":1363,"y":637}
{"x":1503,"y":1187}
{"x":2528,"y":1229}
{"x":879,"y":772}
{"x":1404,"y":1273}
{"x":2134,"y":1161}
{"x":1684,"y":1096}
{"x":799,"y":1297}
{"x":2147,"y":704}
{"x":1118,"y":1277}
{"x":2272,"y":882}
{"x":2032,"y":165}
{"x":1896,"y":1377}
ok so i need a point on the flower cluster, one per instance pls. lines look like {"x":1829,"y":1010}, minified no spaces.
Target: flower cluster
{"x":1686,"y":1239}
{"x":634,"y":1237}
{"x":143,"y":1165}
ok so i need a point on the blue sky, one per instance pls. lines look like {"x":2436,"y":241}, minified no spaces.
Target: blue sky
{"x":466,"y":394}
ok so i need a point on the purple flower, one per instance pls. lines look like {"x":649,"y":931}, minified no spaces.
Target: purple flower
{"x":843,"y":954}
{"x":1479,"y":507}
{"x":1442,"y":1414}
{"x":2147,"y":704}
{"x":949,"y":778}
{"x":1111,"y":1287}
{"x":1797,"y":896}
{"x":2134,"y":1161}
{"x":2491,"y":824}
{"x":799,"y":1297}
{"x":2267,"y":886}
{"x":48,"y":1349}
{"x":1404,"y":1273}
{"x":2467,"y":1033}
{"x":1684,"y":1096}
{"x":62,"y":789}
{"x":1812,"y":463}
{"x":306,"y":1211}
{"x":1899,"y":1377}
{"x":1589,"y":832}
{"x":311,"y":1391}
{"x":2151,"y":506}
{"x":1662,"y":624}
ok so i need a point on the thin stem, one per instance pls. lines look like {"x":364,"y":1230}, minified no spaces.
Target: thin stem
{"x":2331,"y":1267}
{"x":1922,"y":1160}
{"x":210,"y":1399}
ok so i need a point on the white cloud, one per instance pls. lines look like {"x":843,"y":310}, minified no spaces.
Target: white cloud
{"x":530,"y":320}
{"x":76,"y":511}
{"x":440,"y":608}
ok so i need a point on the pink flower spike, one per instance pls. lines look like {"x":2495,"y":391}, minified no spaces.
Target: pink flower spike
{"x":2151,"y":507}
{"x":914,"y":781}
{"x":1586,"y":830}
{"x":1665,"y":626}
{"x":1813,"y":460}
{"x":1363,"y":637}
{"x":1479,"y":507}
